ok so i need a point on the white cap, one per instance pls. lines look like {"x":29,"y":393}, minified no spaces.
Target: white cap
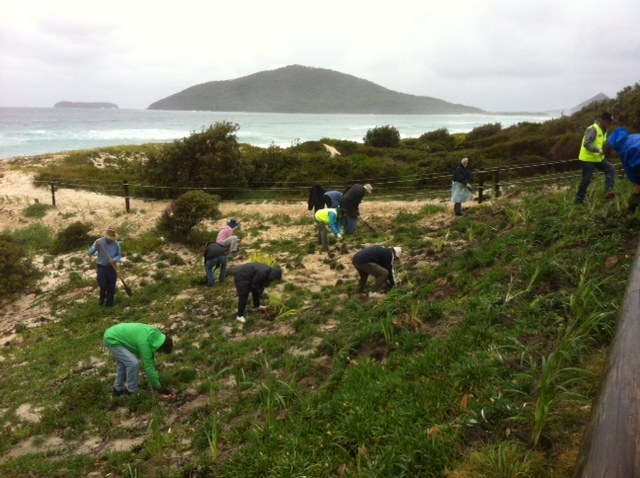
{"x":464,"y":160}
{"x":397,"y":251}
{"x":368,"y":188}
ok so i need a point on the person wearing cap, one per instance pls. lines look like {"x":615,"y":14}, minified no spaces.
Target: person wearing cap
{"x":130,"y":342}
{"x":215,"y":255}
{"x":252,"y":278}
{"x":378,"y":261}
{"x":327,"y":217}
{"x":461,"y":185}
{"x":109,"y":254}
{"x":227,"y":236}
{"x":628,"y":148}
{"x":350,"y":206}
{"x":592,"y":157}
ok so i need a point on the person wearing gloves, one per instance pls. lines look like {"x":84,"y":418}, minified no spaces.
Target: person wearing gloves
{"x":130,"y":341}
{"x":109,"y":254}
{"x":253,"y":278}
{"x":215,"y":255}
{"x":332,"y":199}
{"x":592,"y":157}
{"x":628,"y":148}
{"x":378,"y":261}
{"x":227,"y":236}
{"x":461,"y":185}
{"x":350,"y":206}
{"x":327,"y":217}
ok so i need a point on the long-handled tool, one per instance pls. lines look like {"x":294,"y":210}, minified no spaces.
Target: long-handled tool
{"x":368,"y":225}
{"x":127,"y":289}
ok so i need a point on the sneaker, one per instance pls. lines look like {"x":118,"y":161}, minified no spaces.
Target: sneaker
{"x":240,"y":318}
{"x":260,"y":307}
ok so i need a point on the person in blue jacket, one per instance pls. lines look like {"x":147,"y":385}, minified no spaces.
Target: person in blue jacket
{"x":378,"y":261}
{"x":332,"y":199}
{"x":109,"y":254}
{"x":628,"y":148}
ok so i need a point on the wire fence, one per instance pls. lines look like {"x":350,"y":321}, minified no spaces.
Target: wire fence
{"x":488,"y":182}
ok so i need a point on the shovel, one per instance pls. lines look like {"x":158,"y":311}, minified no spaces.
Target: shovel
{"x":368,"y":225}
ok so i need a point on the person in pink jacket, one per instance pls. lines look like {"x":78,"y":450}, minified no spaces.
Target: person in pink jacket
{"x":227,"y":236}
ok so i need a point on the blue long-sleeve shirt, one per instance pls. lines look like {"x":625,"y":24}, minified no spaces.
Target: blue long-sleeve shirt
{"x":112,"y":249}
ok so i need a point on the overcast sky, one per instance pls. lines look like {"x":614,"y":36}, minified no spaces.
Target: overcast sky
{"x":498,"y":55}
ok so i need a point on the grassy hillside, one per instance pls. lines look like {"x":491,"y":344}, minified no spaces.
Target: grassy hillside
{"x":300,"y":89}
{"x":482,"y":363}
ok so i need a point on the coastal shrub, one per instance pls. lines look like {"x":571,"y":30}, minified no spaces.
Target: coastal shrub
{"x":484,"y":131}
{"x":439,"y":138}
{"x":183,"y":214}
{"x":210,"y":158}
{"x":36,"y":210}
{"x":383,"y":137}
{"x":17,"y":273}
{"x":71,"y":238}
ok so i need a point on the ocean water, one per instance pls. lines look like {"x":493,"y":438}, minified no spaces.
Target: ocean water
{"x":32,"y":131}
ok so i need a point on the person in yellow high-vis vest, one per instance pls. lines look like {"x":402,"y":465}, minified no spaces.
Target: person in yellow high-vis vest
{"x":592,"y":157}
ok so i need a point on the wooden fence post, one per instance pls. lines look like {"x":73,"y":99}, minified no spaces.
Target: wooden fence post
{"x":53,"y":194}
{"x":481,"y":186}
{"x":496,"y":186}
{"x":126,"y":196}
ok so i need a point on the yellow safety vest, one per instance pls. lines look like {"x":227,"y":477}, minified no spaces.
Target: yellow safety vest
{"x":589,"y":156}
{"x":322,"y":215}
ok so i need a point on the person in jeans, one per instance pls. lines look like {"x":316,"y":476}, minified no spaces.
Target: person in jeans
{"x":327,"y":217}
{"x":592,"y":157}
{"x":109,"y":254}
{"x":130,"y":342}
{"x":378,"y":261}
{"x":215,"y":255}
{"x":350,"y":206}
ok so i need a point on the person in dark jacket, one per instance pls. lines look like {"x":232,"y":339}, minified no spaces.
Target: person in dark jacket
{"x":315,"y":201}
{"x":215,"y":255}
{"x":461,"y":185}
{"x":378,"y":261}
{"x":350,"y":206}
{"x":253,"y":278}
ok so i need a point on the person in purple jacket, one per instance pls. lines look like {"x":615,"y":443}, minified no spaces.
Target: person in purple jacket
{"x":378,"y":261}
{"x":628,"y":148}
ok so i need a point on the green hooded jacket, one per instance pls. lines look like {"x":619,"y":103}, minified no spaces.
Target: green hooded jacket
{"x":142,"y":340}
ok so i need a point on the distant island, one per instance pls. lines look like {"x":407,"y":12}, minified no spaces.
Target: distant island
{"x":80,"y":104}
{"x":303,"y":89}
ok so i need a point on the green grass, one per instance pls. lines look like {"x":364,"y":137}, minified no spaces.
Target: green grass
{"x":479,"y":365}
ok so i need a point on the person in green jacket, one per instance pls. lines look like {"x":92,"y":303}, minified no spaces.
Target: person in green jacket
{"x":130,"y":341}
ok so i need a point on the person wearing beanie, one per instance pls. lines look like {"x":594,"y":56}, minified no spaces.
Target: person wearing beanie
{"x":461,"y":185}
{"x":592,"y":157}
{"x":350,"y":206}
{"x":109,"y":254}
{"x":378,"y":261}
{"x":327,"y":217}
{"x":227,"y":236}
{"x":628,"y":148}
{"x":130,"y":342}
{"x":252,"y":278}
